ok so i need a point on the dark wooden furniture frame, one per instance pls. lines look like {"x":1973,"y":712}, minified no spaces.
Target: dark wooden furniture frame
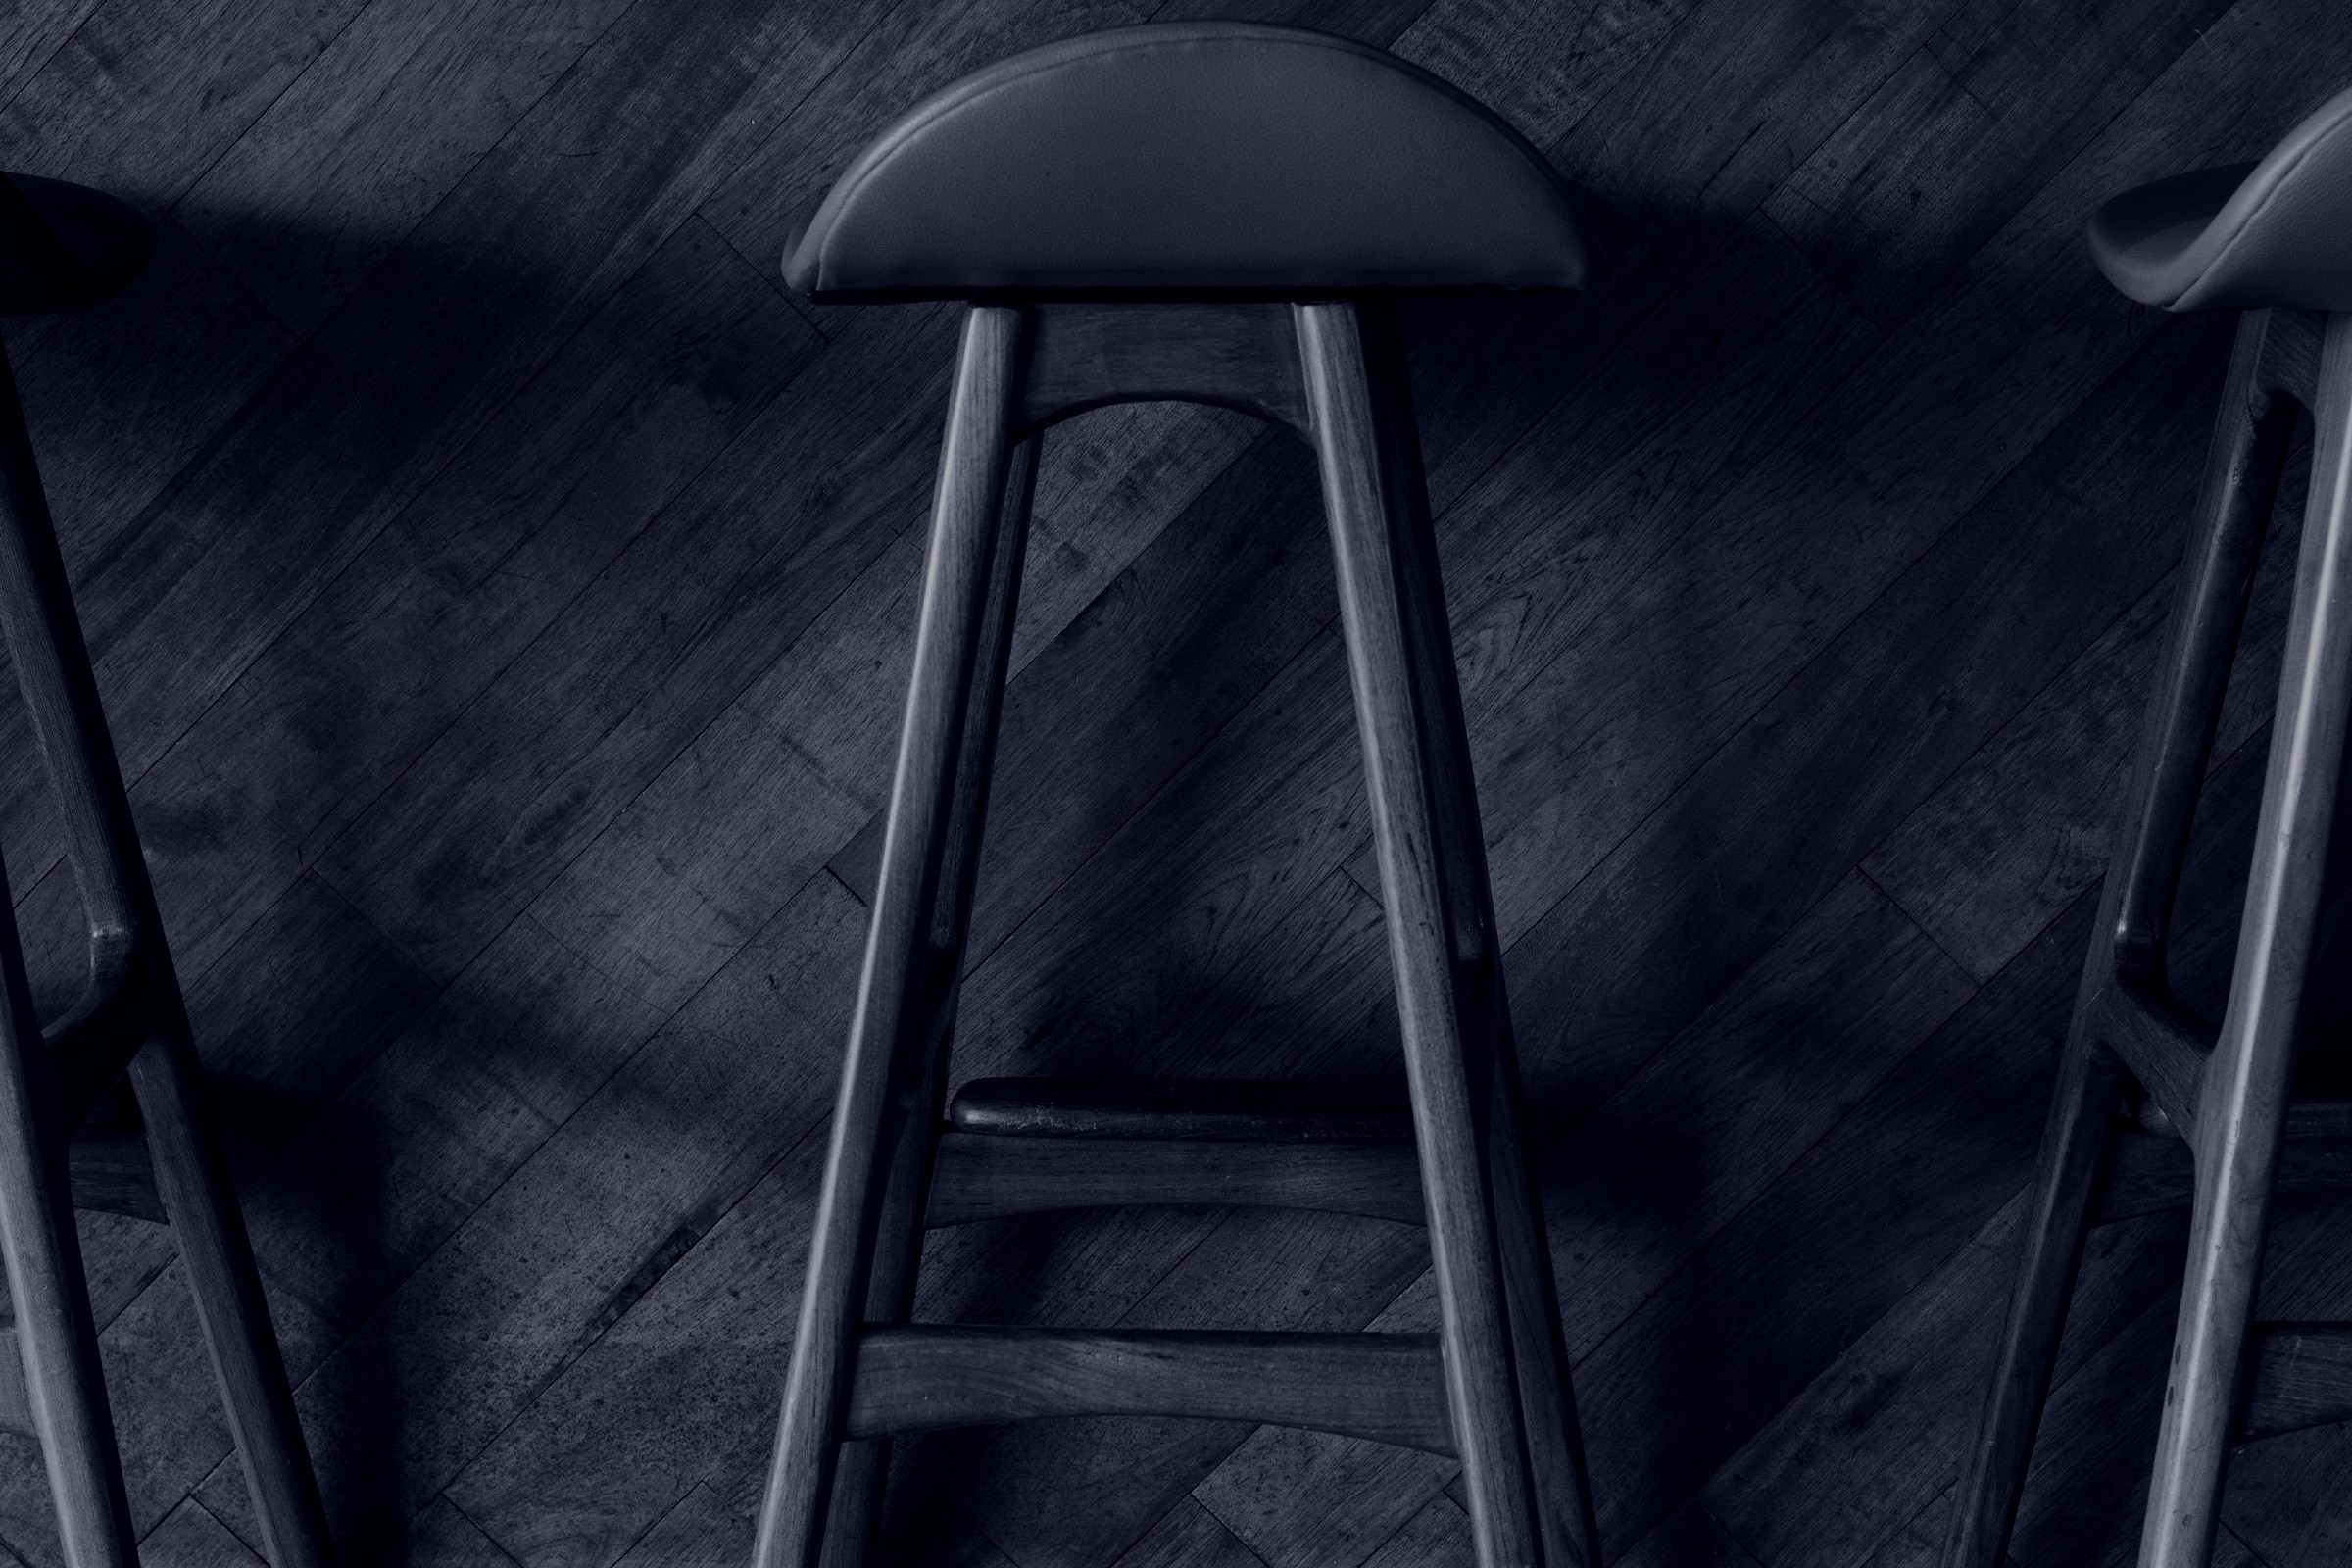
{"x":2225,"y":1091}
{"x":131,"y":1018}
{"x":1492,"y":1387}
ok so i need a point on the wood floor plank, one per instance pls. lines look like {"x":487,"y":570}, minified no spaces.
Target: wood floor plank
{"x":190,"y":1538}
{"x":1301,"y":1499}
{"x":1189,"y":1536}
{"x":1900,"y":1407}
{"x":1438,"y":1535}
{"x":402,"y":641}
{"x":373,"y":134}
{"x":603,"y":1206}
{"x":701,"y":1531}
{"x":436,"y":1122}
{"x":34,"y":32}
{"x":141,"y":98}
{"x":679,"y":1393}
{"x":1737,"y":1099}
{"x":443,"y":1538}
{"x":2284,"y":1504}
{"x":1477,"y":45}
{"x":1977,"y":120}
{"x":2025,"y":825}
{"x":659,"y":643}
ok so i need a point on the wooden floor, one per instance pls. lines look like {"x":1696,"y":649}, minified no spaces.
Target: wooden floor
{"x":502,"y":592}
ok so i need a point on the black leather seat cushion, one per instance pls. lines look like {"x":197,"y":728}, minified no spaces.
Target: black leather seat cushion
{"x":2273,"y":233}
{"x":1193,"y":159}
{"x":64,"y":247}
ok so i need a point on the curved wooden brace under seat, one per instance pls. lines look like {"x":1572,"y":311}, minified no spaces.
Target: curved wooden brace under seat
{"x":1390,"y":1387}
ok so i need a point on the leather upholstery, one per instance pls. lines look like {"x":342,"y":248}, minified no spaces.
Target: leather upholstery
{"x":1193,"y":159}
{"x":2273,"y":233}
{"x":65,"y":247}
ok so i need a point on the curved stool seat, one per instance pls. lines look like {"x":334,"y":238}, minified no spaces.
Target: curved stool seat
{"x":1193,"y":159}
{"x":65,"y":247}
{"x":2276,"y":233}
{"x":2273,"y":239}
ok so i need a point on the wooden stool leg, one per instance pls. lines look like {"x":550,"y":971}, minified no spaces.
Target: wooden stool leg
{"x":863,"y":1467}
{"x":1453,"y":1071}
{"x":907,"y":992}
{"x":55,"y":1335}
{"x":53,"y":665}
{"x":2242,"y":1107}
{"x":1555,"y":1454}
{"x":2249,"y":448}
{"x":192,"y":1179}
{"x":45,"y":640}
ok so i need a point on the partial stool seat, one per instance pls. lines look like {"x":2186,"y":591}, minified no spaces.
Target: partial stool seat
{"x":1214,"y":212}
{"x":1193,"y":159}
{"x":65,"y":247}
{"x":69,"y":1137}
{"x":2273,"y":239}
{"x":2244,"y":236}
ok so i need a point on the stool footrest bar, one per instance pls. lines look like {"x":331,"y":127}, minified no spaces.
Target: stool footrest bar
{"x":2165,"y":1048}
{"x":2155,"y":1171}
{"x":1390,"y":1387}
{"x":2302,"y":1377}
{"x":1219,"y":1110}
{"x":981,"y":1177}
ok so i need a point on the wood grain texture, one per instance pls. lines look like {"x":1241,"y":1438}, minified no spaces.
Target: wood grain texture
{"x":2301,"y":1376}
{"x":509,"y":660}
{"x":1388,"y":1387}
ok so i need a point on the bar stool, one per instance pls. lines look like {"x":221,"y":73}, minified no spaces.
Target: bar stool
{"x":64,"y":248}
{"x":1213,"y":212}
{"x":2273,"y":239}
